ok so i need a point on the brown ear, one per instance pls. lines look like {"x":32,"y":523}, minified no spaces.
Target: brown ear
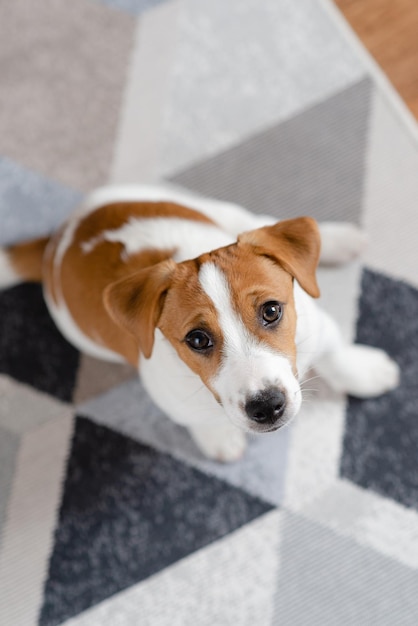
{"x":294,"y":244}
{"x":135,"y":303}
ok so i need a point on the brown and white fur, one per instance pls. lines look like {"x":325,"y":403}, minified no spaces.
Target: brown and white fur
{"x":207,"y":300}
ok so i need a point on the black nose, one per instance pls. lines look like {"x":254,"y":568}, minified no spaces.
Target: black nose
{"x":266,"y":407}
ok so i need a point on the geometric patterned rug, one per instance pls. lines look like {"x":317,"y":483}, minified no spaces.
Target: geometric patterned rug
{"x":109,"y":515}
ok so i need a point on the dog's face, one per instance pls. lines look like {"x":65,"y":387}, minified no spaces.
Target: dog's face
{"x":230,"y":316}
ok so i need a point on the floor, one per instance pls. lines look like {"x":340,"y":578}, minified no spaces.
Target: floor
{"x":389,"y":30}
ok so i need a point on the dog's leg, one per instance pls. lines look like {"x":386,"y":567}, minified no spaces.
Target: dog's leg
{"x":219,"y":440}
{"x":341,"y":242}
{"x":358,"y":370}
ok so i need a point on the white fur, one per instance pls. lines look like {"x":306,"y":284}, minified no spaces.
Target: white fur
{"x":361,"y":371}
{"x":219,"y":439}
{"x":358,"y":370}
{"x":174,"y":387}
{"x":341,"y":242}
{"x":188,"y":237}
{"x":8,"y":276}
{"x":180,"y":393}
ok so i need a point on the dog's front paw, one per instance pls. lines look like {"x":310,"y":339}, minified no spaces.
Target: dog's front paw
{"x":341,"y":242}
{"x":365,"y":372}
{"x":220,"y":442}
{"x":377,"y":373}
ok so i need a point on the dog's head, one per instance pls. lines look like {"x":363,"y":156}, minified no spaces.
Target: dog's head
{"x":230,"y":315}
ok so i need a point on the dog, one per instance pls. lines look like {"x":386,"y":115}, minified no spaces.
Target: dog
{"x":213,"y":304}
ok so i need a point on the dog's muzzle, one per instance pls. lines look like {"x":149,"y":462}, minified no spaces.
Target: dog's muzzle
{"x":266,"y":408}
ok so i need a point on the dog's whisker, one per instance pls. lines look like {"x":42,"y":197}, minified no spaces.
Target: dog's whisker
{"x":309,"y":393}
{"x":309,"y":380}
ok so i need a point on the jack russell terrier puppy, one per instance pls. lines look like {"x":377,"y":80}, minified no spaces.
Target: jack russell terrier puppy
{"x":209,"y":301}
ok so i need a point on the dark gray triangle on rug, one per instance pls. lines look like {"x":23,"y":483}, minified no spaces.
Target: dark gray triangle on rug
{"x":381,"y":434}
{"x":32,"y":350}
{"x":128,"y":512}
{"x":311,"y":164}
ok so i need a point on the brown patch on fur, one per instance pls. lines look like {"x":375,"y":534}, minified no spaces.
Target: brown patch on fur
{"x":84,"y":279}
{"x":84,"y":276}
{"x":27,"y":258}
{"x":135,"y":303}
{"x":295,"y":245}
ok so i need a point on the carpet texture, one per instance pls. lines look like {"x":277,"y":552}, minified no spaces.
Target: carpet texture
{"x":109,"y":515}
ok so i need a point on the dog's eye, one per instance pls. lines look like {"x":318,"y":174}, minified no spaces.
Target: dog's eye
{"x":199,"y":340}
{"x":271,"y":312}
